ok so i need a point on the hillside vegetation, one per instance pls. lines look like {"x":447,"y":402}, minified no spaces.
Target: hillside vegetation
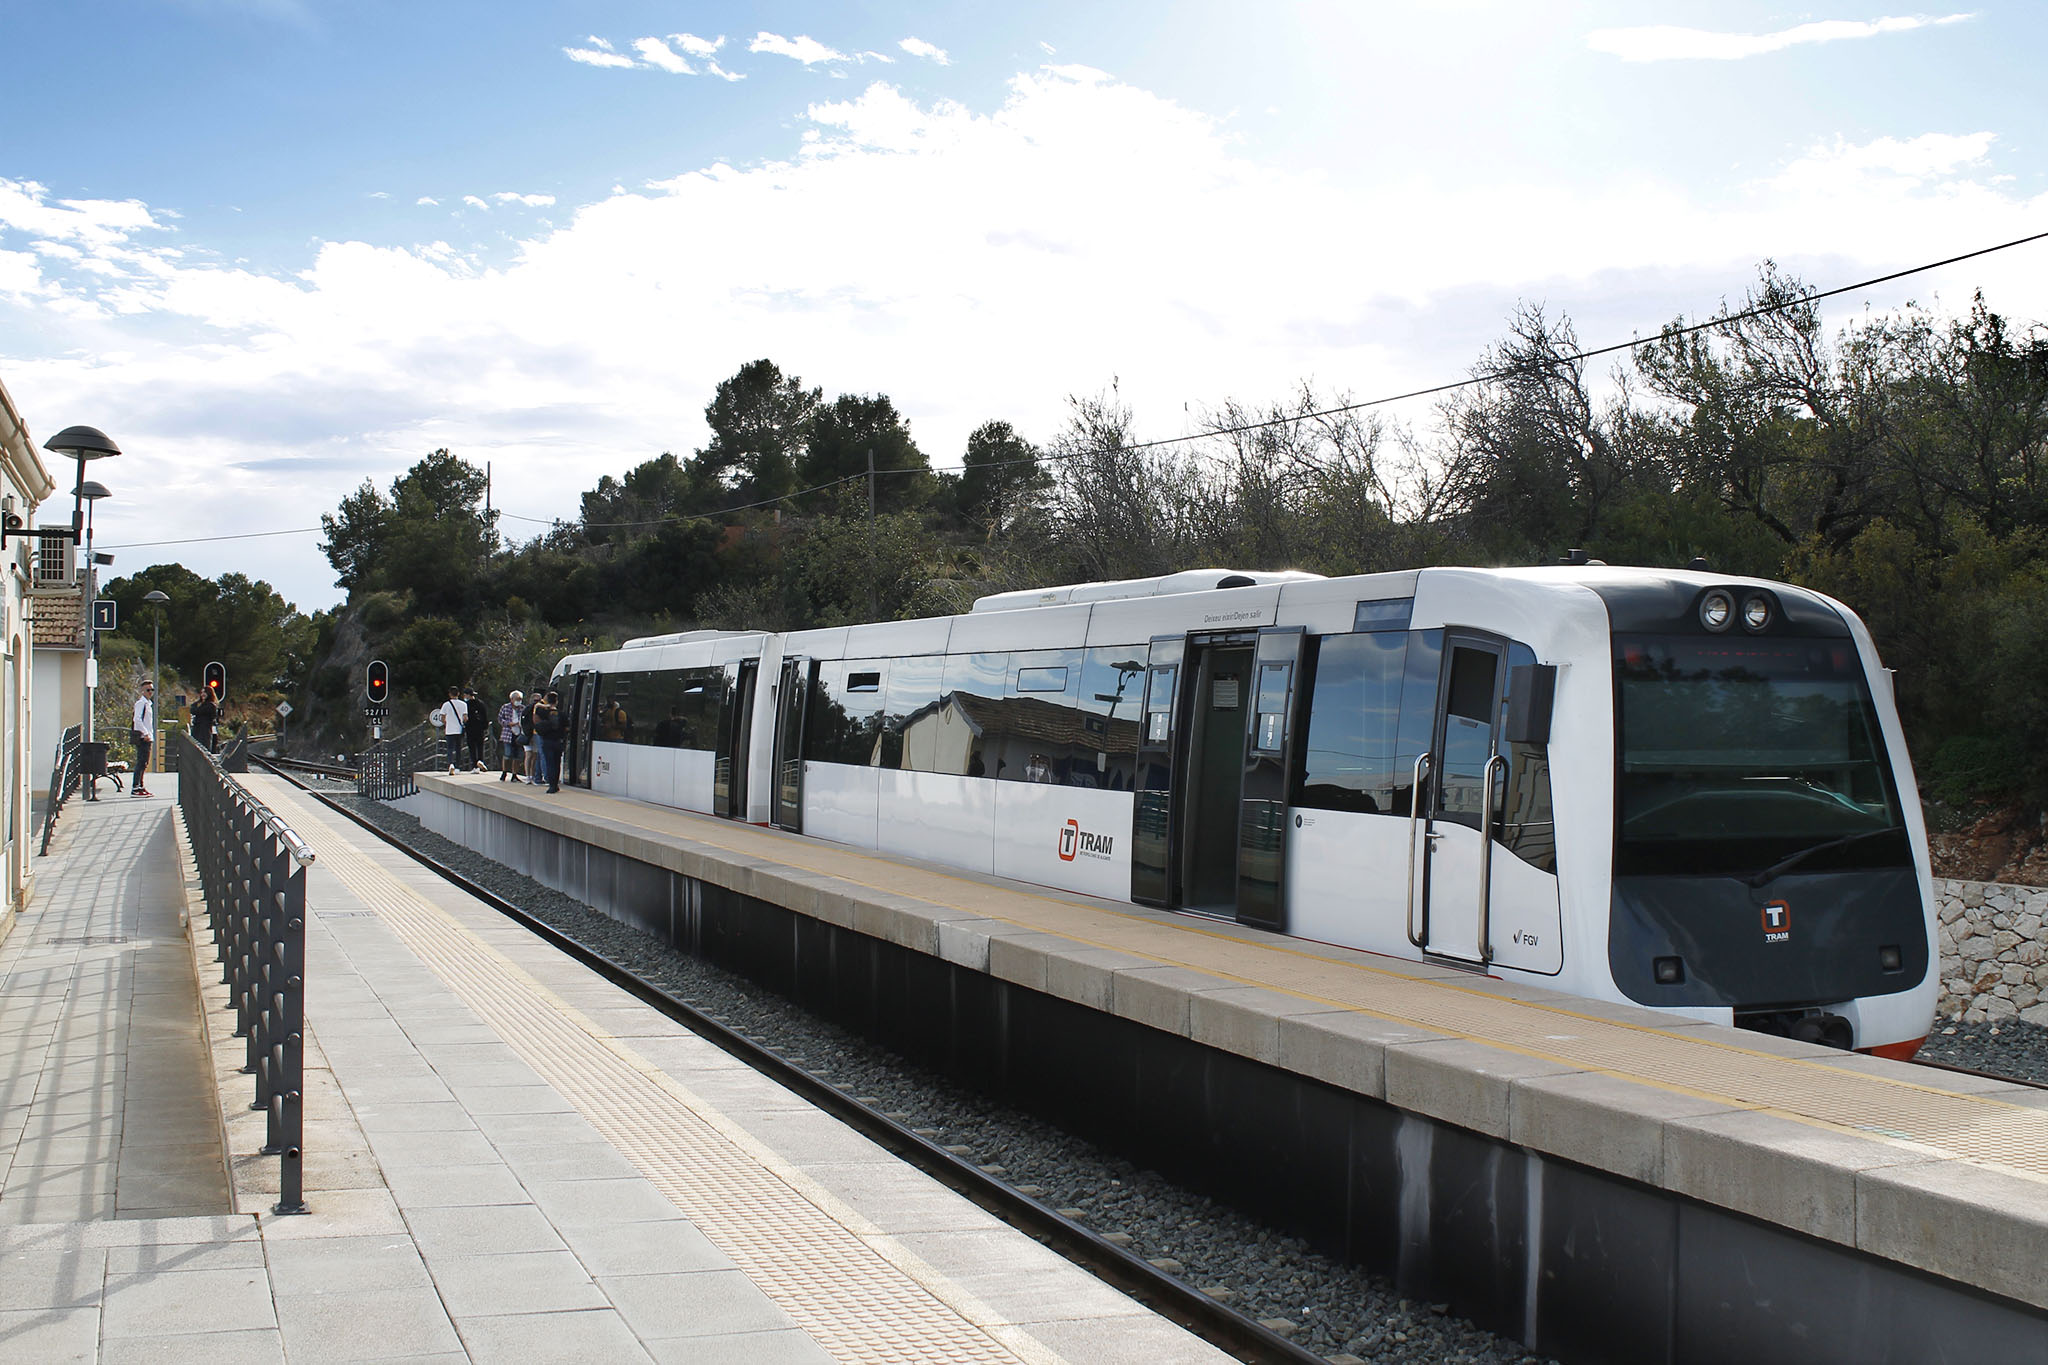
{"x":1898,"y":465}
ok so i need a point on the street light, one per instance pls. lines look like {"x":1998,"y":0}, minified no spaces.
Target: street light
{"x":88,"y":494}
{"x":156,"y":599}
{"x":82,"y":444}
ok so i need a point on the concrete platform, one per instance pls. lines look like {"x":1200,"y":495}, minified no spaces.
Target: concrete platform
{"x":507,"y":1158}
{"x":1909,"y":1184}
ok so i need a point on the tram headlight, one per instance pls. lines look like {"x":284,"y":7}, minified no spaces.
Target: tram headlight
{"x":1756,"y":611}
{"x":1717,"y":610}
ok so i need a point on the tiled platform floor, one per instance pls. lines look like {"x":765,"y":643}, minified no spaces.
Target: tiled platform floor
{"x":507,"y":1159}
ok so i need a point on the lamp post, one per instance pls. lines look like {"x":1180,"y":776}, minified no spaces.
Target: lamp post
{"x":156,"y":598}
{"x":82,"y":444}
{"x":88,"y":494}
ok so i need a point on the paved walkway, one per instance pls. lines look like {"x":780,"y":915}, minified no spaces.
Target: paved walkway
{"x":507,"y":1158}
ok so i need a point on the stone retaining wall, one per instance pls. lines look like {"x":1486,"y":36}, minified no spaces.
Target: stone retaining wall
{"x":1994,"y":952}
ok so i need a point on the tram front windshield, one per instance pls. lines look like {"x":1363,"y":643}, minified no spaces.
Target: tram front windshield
{"x":1739,"y":754}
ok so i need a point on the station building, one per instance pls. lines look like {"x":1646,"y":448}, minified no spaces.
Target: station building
{"x":36,"y":589}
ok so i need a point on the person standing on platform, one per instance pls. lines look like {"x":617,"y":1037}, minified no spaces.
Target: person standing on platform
{"x":145,"y":736}
{"x":547,"y":727}
{"x":205,"y":715}
{"x":449,"y":718}
{"x":511,"y":737}
{"x":477,"y":724}
{"x":527,"y":737}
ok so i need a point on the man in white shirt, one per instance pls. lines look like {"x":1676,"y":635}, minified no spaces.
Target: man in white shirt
{"x":449,"y":718}
{"x":145,"y":737}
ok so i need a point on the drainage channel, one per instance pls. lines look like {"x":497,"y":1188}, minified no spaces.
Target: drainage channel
{"x":1170,"y":1298}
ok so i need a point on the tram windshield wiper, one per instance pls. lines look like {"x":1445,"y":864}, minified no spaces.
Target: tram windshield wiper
{"x":1786,"y":864}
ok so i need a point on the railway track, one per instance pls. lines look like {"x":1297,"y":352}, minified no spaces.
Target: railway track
{"x":1229,"y":1331}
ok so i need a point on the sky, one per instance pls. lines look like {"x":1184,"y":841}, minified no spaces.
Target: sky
{"x":276,"y":247}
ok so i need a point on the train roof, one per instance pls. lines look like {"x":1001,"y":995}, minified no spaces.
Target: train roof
{"x":1187,"y":580}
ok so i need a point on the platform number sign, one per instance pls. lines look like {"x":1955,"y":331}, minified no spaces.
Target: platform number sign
{"x":215,"y":681}
{"x":103,"y":613}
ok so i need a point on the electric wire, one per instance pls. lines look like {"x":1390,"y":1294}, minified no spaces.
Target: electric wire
{"x":1802,"y":299}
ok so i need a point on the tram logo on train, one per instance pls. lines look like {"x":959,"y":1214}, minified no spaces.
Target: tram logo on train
{"x":1086,"y":843}
{"x":1777,"y":922}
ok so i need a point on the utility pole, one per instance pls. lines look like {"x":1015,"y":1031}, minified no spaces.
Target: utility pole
{"x":874,"y":606}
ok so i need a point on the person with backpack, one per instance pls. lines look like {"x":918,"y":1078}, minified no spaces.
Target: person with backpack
{"x":476,"y":728}
{"x":451,"y":718}
{"x":547,"y":727}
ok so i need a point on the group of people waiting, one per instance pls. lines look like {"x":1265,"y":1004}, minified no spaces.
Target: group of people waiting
{"x":529,"y":735}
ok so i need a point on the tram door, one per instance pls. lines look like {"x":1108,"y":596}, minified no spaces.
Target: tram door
{"x":1452,"y":826}
{"x":574,"y":691}
{"x":1212,"y":774}
{"x":583,"y":727}
{"x":735,"y":735}
{"x":792,"y":701}
{"x":1277,"y":702}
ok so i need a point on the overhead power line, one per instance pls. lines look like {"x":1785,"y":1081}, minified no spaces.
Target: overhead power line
{"x":1487,"y":377}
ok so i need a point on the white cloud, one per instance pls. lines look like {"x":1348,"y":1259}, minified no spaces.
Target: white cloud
{"x":95,"y":222}
{"x":918,"y":47}
{"x":1929,"y":155}
{"x":716,"y":70}
{"x":599,"y":43}
{"x":427,"y":200}
{"x":658,"y":53}
{"x":695,"y":46}
{"x":1666,"y":42}
{"x":19,"y":273}
{"x":983,"y":263}
{"x":532,"y":201}
{"x":595,"y":57}
{"x":380,"y":194}
{"x":809,"y":51}
{"x":475,"y":202}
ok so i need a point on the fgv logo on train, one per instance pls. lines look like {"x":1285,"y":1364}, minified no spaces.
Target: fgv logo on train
{"x":1075,"y":840}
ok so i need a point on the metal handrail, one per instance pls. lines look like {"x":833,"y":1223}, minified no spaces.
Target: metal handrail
{"x":386,"y":770}
{"x":256,"y":908}
{"x":1415,"y":808}
{"x":1486,"y":859}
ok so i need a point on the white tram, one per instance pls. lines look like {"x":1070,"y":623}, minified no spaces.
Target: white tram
{"x":1677,"y":789}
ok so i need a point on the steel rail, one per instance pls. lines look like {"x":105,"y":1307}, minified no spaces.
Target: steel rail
{"x":1208,"y":1318}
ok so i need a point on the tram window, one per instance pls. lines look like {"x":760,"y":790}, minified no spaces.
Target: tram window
{"x":864,"y":682}
{"x":1159,"y":705}
{"x":1270,"y":720}
{"x":619,"y":704}
{"x":693,"y":714}
{"x":845,"y":723}
{"x":1418,"y":712}
{"x":910,"y":716}
{"x":1527,"y":828}
{"x":1388,"y":615}
{"x":1041,"y":727}
{"x":1354,"y":707}
{"x":971,"y":701}
{"x":1106,"y":752}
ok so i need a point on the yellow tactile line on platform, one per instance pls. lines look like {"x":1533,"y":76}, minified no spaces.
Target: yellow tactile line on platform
{"x":860,"y":1295}
{"x":1944,"y":1124}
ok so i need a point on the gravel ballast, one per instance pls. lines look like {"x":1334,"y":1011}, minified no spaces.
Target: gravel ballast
{"x":1335,"y":1310}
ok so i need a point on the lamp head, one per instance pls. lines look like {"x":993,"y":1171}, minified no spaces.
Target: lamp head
{"x":93,"y":492}
{"x":82,"y":443}
{"x":156,"y":597}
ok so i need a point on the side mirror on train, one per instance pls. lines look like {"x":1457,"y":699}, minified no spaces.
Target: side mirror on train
{"x":1532,"y":688}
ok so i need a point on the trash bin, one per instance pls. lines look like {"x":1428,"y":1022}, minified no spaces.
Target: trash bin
{"x":92,"y":758}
